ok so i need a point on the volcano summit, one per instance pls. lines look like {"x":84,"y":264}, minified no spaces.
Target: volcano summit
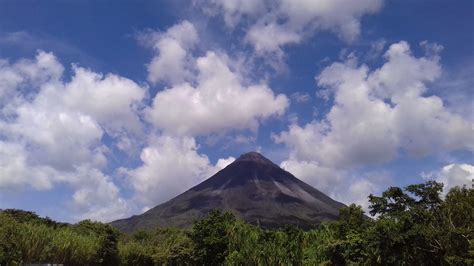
{"x":252,"y":187}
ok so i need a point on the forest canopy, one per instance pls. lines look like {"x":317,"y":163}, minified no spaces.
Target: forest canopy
{"x":414,"y":225}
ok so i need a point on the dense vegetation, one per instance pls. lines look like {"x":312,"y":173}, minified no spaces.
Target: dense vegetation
{"x":413,"y":226}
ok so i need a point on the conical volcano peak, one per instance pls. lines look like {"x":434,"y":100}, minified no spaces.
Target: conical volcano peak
{"x":254,"y":157}
{"x":252,"y":187}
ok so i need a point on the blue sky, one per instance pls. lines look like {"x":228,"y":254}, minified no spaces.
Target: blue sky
{"x":108,"y":108}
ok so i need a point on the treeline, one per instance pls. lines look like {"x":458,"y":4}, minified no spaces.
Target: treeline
{"x":413,"y":226}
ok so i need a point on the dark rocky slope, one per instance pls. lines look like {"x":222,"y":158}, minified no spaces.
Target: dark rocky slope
{"x":252,"y":187}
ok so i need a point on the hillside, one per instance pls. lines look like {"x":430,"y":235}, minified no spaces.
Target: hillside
{"x":254,"y":189}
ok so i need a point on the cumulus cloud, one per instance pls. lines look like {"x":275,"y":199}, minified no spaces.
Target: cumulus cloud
{"x":15,"y":171}
{"x":379,"y":113}
{"x":170,"y":166}
{"x":52,"y":131}
{"x":207,"y":94}
{"x":95,"y":194}
{"x":357,"y":190}
{"x":218,"y":102}
{"x":57,"y":129}
{"x":275,"y":24}
{"x":86,"y":92}
{"x":340,"y":184}
{"x":270,"y":37}
{"x":14,"y":78}
{"x":173,"y":60}
{"x":453,"y":175}
{"x":56,"y":137}
{"x":96,"y":197}
{"x":321,"y":177}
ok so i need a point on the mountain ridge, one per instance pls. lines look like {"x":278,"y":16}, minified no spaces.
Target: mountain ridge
{"x":253,"y":188}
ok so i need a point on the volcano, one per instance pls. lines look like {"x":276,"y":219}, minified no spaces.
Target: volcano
{"x":254,"y":189}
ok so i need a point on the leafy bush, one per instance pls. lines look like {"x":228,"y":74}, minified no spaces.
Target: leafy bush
{"x":414,"y":226}
{"x":108,"y":237}
{"x":210,"y":239}
{"x":9,"y":251}
{"x":72,"y":248}
{"x":135,"y":253}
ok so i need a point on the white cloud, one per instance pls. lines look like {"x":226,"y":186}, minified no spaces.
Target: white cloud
{"x":15,"y":171}
{"x":171,"y":165}
{"x":455,"y":88}
{"x":300,"y":97}
{"x":55,"y":137}
{"x":55,"y":127}
{"x":339,"y":16}
{"x":96,"y":196}
{"x":222,"y":163}
{"x":232,"y":10}
{"x":340,"y":184}
{"x":376,"y":116}
{"x":322,"y":178}
{"x":357,"y":190}
{"x":87,"y":91}
{"x":270,"y":37}
{"x":14,"y":77}
{"x":403,"y":75}
{"x":275,"y":24}
{"x":453,"y":175}
{"x":207,"y":94}
{"x":64,"y":123}
{"x":52,"y":131}
{"x":172,"y":63}
{"x":379,"y":113}
{"x":218,"y":102}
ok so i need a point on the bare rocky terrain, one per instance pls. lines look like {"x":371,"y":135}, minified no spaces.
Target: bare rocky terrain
{"x":254,"y":189}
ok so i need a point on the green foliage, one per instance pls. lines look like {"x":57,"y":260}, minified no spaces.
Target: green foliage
{"x":349,"y":245}
{"x":174,"y":247}
{"x":317,"y":245}
{"x":22,"y":216}
{"x":9,"y":252}
{"x":458,"y":224}
{"x":417,"y":227}
{"x":249,"y":244}
{"x":282,"y":247}
{"x":244,"y":241}
{"x":135,"y":253}
{"x":413,"y":226}
{"x":168,"y":246}
{"x":70,"y":248}
{"x":33,"y":242}
{"x":210,"y":239}
{"x":108,"y":237}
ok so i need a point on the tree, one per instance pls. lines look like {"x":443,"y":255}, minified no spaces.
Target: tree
{"x":210,"y":239}
{"x":458,"y":225}
{"x":244,"y":244}
{"x":317,"y":245}
{"x":9,"y":252}
{"x":135,"y":253}
{"x":415,"y":225}
{"x":108,"y":236}
{"x":173,"y":247}
{"x":349,"y":243}
{"x":22,"y":216}
{"x":294,"y":244}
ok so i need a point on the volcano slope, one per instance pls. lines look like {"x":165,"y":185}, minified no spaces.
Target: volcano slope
{"x":254,"y":189}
